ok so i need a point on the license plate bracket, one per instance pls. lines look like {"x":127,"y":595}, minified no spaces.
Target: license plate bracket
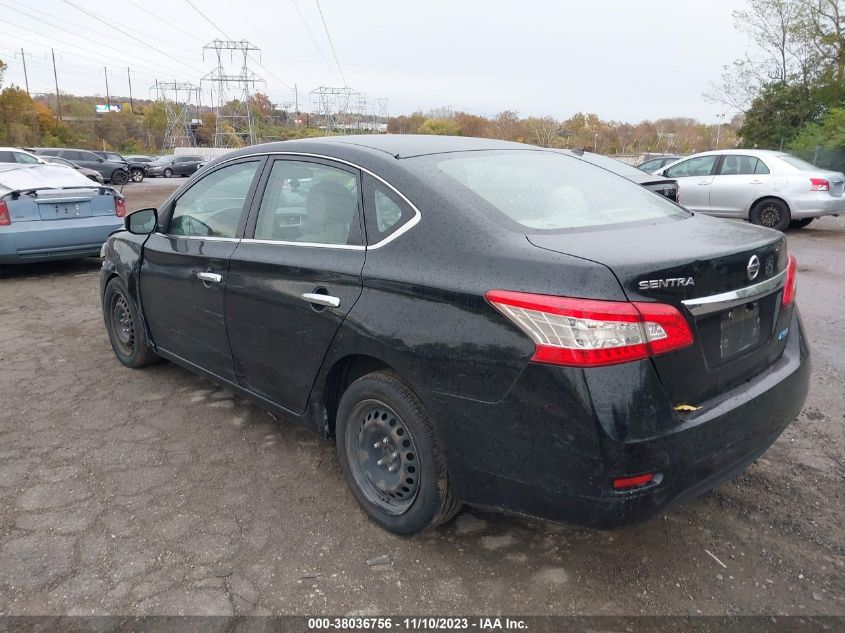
{"x":740,"y":329}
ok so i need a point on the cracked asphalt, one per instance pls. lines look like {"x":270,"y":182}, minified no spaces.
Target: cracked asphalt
{"x":134,"y":492}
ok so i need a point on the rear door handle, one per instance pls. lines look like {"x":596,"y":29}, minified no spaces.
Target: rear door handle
{"x":320,"y":299}
{"x":703,"y":182}
{"x":208,"y":277}
{"x":756,"y":182}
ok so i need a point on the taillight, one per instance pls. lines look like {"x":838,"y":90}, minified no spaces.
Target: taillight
{"x":120,"y":207}
{"x":5,"y":220}
{"x":592,"y":333}
{"x":633,"y":482}
{"x":819,"y":184}
{"x":791,"y":285}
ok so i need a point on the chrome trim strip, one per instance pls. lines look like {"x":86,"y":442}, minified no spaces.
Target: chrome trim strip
{"x":727,"y":300}
{"x":402,"y":229}
{"x":348,"y":247}
{"x":198,"y":237}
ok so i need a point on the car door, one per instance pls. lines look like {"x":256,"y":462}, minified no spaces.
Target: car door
{"x":295,"y":276}
{"x":694,"y":176}
{"x":191,"y":163}
{"x":738,"y":182}
{"x":86,"y":159}
{"x":186,"y":262}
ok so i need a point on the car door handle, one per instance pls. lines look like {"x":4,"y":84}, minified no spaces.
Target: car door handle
{"x":703,"y":182}
{"x":209,"y":277}
{"x":321,"y":299}
{"x":756,"y":182}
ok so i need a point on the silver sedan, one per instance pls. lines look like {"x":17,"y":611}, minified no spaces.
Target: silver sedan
{"x":769,"y":188}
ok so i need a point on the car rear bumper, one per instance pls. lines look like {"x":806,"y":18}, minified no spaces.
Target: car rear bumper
{"x":817,"y":204}
{"x":546,"y":454}
{"x":24,"y":242}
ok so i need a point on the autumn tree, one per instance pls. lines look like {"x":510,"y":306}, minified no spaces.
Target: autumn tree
{"x":445,"y":127}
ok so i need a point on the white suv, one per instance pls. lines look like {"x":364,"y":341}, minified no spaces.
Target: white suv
{"x":15,"y":155}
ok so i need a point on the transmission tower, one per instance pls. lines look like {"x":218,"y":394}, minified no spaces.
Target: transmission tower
{"x":333,"y":106}
{"x":232,"y":103}
{"x":176,"y":97}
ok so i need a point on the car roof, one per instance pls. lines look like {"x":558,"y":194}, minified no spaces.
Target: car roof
{"x":739,"y":152}
{"x":397,"y":145}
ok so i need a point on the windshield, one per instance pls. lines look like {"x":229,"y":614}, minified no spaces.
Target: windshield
{"x":797,"y":162}
{"x":553,"y":191}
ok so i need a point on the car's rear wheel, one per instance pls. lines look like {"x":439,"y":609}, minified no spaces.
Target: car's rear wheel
{"x":136,"y":175}
{"x":800,"y":223}
{"x":168,"y":173}
{"x":391,"y":457}
{"x":771,"y":213}
{"x":123,"y":323}
{"x":119,"y":177}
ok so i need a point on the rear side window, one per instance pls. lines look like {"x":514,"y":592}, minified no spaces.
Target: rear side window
{"x":72,"y":155}
{"x":735,"y":165}
{"x":310,"y":203}
{"x":212,"y":207}
{"x":6,"y":157}
{"x":552,"y":191}
{"x":385,"y":211}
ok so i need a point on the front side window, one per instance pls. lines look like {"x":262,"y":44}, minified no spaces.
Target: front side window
{"x":309,"y":202}
{"x":25,"y":159}
{"x":651,"y":164}
{"x":698,"y":166}
{"x":212,"y":207}
{"x":74,"y":155}
{"x":551,"y":191}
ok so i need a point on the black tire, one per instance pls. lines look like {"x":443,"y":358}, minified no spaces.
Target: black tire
{"x":168,"y":173}
{"x":136,"y":175}
{"x":123,"y":323}
{"x":379,"y":406}
{"x":771,"y":213}
{"x":800,"y":223}
{"x":119,"y":177}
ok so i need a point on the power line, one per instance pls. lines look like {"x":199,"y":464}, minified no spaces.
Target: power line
{"x":126,"y":33}
{"x":311,"y":35}
{"x":330,"y":42}
{"x":206,"y":18}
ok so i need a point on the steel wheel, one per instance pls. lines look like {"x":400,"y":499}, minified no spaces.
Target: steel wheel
{"x":122,"y":325}
{"x":382,"y":456}
{"x":771,"y":216}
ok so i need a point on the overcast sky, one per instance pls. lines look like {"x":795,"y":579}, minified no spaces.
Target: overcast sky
{"x":621,"y":59}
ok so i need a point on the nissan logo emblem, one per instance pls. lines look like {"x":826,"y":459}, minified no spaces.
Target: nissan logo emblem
{"x":753,"y":268}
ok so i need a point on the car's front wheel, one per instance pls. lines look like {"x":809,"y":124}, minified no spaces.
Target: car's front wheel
{"x":119,"y":177}
{"x":137,"y":175}
{"x":123,"y":323}
{"x":771,"y":213}
{"x":800,"y":223}
{"x":391,"y":457}
{"x":168,"y":172}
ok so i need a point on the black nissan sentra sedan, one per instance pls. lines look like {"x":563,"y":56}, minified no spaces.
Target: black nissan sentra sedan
{"x":473,"y":321}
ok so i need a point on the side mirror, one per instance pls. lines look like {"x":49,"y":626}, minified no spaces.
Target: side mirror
{"x":101,"y":160}
{"x":142,"y":221}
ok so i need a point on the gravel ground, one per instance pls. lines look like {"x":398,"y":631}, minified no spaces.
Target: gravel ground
{"x":157,"y":492}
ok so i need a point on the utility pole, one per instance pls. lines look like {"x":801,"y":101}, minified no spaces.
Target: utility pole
{"x":596,"y":144}
{"x":131,"y":101}
{"x":721,"y":118}
{"x":296,"y":104}
{"x":25,"y":75}
{"x":56,"y":78}
{"x":108,"y":98}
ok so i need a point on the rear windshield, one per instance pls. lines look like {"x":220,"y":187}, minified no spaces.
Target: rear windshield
{"x":797,"y":162}
{"x":552,"y":191}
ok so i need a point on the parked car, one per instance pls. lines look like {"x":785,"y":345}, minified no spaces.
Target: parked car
{"x":168,"y":166}
{"x":88,"y":173}
{"x":653,"y":164}
{"x":52,"y":212}
{"x":137,"y":158}
{"x":114,"y":172}
{"x":137,"y":169}
{"x":17,"y":155}
{"x":658,"y":184}
{"x":769,"y":188}
{"x":472,"y":320}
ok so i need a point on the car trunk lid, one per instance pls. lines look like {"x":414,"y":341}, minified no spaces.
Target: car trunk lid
{"x":682,"y":262}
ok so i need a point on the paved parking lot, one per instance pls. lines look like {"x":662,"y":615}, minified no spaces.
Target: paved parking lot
{"x":154,"y":491}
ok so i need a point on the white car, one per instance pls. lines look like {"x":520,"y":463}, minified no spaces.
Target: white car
{"x":769,"y":188}
{"x":16,"y":155}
